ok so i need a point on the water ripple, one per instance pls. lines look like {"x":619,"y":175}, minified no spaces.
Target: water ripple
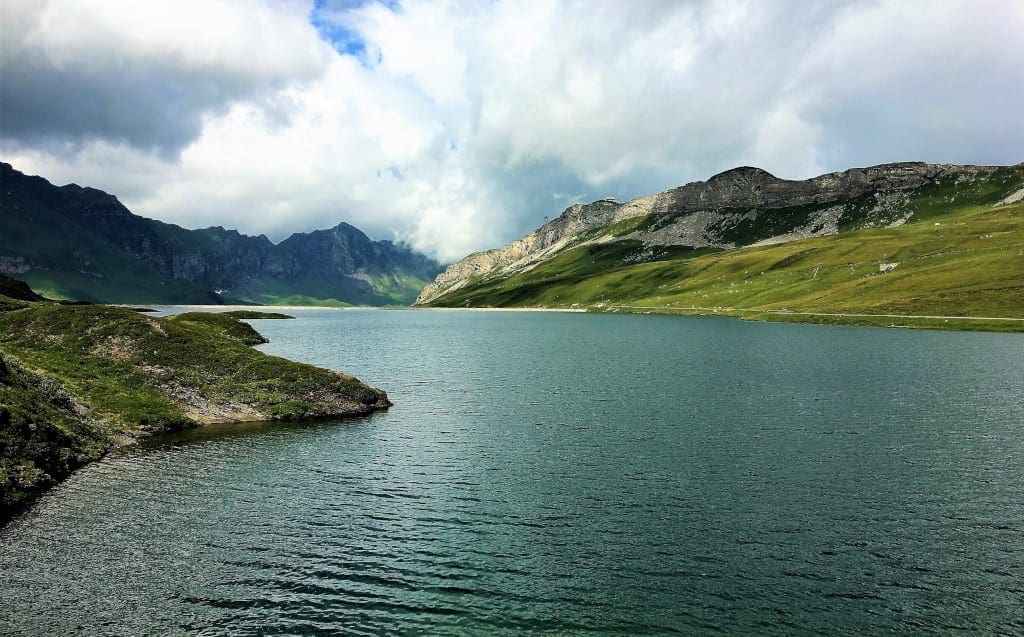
{"x":549,"y":474}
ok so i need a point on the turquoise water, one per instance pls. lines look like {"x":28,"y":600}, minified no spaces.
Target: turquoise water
{"x":564,"y":474}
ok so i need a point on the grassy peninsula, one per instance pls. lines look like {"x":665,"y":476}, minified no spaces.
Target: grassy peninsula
{"x":77,"y":379}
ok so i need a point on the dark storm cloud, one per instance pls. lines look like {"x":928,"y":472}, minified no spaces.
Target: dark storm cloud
{"x":66,"y":82}
{"x":159,"y":109}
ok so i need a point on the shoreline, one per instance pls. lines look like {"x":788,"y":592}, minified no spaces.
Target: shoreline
{"x":938,"y":322}
{"x":257,"y":308}
{"x":78,"y":381}
{"x":565,"y":310}
{"x":832,"y":314}
{"x":949,"y":323}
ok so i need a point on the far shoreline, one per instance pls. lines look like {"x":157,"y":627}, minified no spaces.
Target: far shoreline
{"x":227,"y":308}
{"x":946,"y":323}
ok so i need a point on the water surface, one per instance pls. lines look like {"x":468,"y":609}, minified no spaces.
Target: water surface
{"x":564,"y":474}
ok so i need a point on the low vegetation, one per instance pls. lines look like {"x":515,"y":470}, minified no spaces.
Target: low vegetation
{"x":44,"y":435}
{"x":224,"y":325}
{"x":243,"y":315}
{"x":17,"y":290}
{"x":75,"y":378}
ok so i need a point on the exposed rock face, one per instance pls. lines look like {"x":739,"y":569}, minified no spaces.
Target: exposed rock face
{"x":71,"y":232}
{"x":722,"y":212}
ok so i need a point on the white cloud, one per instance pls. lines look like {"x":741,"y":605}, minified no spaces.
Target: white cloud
{"x":237,"y":37}
{"x":459,"y":126}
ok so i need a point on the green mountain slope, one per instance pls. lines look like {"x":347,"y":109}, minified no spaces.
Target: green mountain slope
{"x":71,"y":242}
{"x":17,"y":290}
{"x":958,"y":251}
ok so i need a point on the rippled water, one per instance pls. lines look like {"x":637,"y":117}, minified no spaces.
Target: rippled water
{"x":564,"y":473}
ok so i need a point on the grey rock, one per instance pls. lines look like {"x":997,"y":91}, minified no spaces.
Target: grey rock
{"x":712,"y":213}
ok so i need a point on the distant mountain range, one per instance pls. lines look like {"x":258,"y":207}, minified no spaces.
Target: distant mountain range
{"x":82,"y":243}
{"x":896,"y":238}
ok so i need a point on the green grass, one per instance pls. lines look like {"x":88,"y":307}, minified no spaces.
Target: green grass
{"x":132,"y":370}
{"x":253,"y":314}
{"x":617,"y":229}
{"x":956,"y":258}
{"x":299,"y":300}
{"x":399,"y":288}
{"x":73,"y":378}
{"x":7,"y":304}
{"x":224,"y":324}
{"x":17,"y":290}
{"x":891,"y":321}
{"x":229,"y":324}
{"x":944,"y":195}
{"x":43,"y":437}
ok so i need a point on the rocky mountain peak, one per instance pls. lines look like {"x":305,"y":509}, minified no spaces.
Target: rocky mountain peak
{"x":69,"y":232}
{"x":742,"y":175}
{"x":740,"y":206}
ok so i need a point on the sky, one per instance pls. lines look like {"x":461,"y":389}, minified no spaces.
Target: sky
{"x":460,"y":126}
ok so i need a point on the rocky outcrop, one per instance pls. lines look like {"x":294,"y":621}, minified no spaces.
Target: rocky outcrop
{"x":742,"y":206}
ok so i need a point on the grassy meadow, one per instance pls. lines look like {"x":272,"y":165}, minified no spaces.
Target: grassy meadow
{"x":952,"y":261}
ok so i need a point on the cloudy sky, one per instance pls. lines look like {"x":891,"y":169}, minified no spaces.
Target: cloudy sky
{"x":458,"y":126}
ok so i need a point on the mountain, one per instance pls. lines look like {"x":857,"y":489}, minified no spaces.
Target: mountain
{"x":16,"y":290}
{"x":747,"y":240}
{"x":82,"y":243}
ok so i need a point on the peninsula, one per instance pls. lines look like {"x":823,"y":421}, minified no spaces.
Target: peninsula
{"x":76,"y":380}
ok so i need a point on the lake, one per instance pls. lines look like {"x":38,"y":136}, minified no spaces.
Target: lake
{"x":555,"y":473}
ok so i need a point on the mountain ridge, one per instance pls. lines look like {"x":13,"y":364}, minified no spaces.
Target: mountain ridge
{"x":80,"y":242}
{"x":734,"y":208}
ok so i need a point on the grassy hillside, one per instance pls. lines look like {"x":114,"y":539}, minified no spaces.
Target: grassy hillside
{"x":44,"y":435}
{"x":959,"y":256}
{"x":74,"y":378}
{"x":69,"y":260}
{"x":143,"y":372}
{"x":397,"y":288}
{"x":17,"y":290}
{"x":223,"y":325}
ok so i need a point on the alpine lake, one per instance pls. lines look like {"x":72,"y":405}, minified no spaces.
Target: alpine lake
{"x":563,"y":473}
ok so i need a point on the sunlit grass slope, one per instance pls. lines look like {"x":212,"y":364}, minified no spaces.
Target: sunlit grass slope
{"x":953,"y":260}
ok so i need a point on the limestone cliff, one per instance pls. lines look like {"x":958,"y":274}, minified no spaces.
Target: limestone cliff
{"x":742,"y":206}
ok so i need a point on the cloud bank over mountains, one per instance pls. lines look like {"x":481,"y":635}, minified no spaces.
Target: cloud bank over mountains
{"x":458,"y":126}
